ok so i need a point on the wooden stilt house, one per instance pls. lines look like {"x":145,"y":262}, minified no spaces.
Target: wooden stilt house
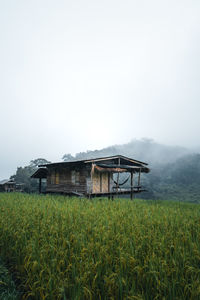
{"x":92,"y":177}
{"x":7,"y":185}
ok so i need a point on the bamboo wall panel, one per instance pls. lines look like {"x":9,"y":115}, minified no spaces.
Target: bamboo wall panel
{"x":96,"y":182}
{"x":104,"y":183}
{"x":100,"y":182}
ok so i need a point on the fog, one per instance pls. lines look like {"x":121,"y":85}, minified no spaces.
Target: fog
{"x":84,"y":75}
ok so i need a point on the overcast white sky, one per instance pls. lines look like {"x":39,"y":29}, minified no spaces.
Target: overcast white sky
{"x":83,"y":75}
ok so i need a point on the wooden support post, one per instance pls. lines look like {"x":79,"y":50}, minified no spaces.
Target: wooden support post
{"x":118,"y":176}
{"x":117,"y":182}
{"x":109,"y":196}
{"x":139,"y":178}
{"x":91,"y":177}
{"x":132,"y":185}
{"x":100,"y":182}
{"x":108,"y":182}
{"x":40,"y":185}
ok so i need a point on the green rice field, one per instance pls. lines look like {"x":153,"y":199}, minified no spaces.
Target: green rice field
{"x":68,"y":248}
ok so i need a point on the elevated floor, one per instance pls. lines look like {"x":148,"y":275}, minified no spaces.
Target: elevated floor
{"x":99,"y":194}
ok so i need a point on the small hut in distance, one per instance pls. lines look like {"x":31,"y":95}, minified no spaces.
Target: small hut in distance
{"x":7,"y":185}
{"x":92,"y":177}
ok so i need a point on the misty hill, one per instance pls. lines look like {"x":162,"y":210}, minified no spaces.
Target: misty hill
{"x":179,"y":180}
{"x":145,"y":150}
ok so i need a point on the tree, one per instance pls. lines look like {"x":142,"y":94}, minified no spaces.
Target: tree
{"x":23,"y":175}
{"x":67,"y":157}
{"x":38,"y":161}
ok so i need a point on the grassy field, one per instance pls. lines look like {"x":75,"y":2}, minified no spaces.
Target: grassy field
{"x":7,"y":286}
{"x":68,"y":248}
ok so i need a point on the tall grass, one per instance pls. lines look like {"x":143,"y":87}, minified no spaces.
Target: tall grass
{"x":67,"y":248}
{"x":7,"y":286}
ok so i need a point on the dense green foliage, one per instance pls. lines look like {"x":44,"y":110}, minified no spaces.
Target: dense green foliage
{"x":23,"y":175}
{"x":145,"y":150}
{"x":68,"y":248}
{"x":7,"y":286}
{"x":176,"y":181}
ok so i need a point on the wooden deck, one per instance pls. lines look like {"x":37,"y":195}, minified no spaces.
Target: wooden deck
{"x":102,"y":194}
{"x":119,"y":192}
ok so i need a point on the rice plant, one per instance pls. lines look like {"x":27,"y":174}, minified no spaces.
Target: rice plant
{"x":7,"y":286}
{"x":69,"y":248}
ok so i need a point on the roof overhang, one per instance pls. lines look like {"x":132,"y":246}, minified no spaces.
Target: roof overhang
{"x":7,"y":181}
{"x":96,"y":160}
{"x":122,"y":168}
{"x":115,"y":157}
{"x":40,"y":173}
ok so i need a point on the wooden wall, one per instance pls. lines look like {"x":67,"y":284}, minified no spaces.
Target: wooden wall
{"x":7,"y":188}
{"x":67,"y":180}
{"x":80,"y":179}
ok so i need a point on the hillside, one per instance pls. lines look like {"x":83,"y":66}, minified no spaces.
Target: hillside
{"x":179,"y":180}
{"x":146,"y":150}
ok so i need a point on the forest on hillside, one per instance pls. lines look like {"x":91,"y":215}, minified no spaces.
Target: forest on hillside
{"x":175,"y":171}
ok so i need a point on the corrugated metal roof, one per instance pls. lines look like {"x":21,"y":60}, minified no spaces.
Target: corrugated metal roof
{"x":4,"y":181}
{"x":95,"y":160}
